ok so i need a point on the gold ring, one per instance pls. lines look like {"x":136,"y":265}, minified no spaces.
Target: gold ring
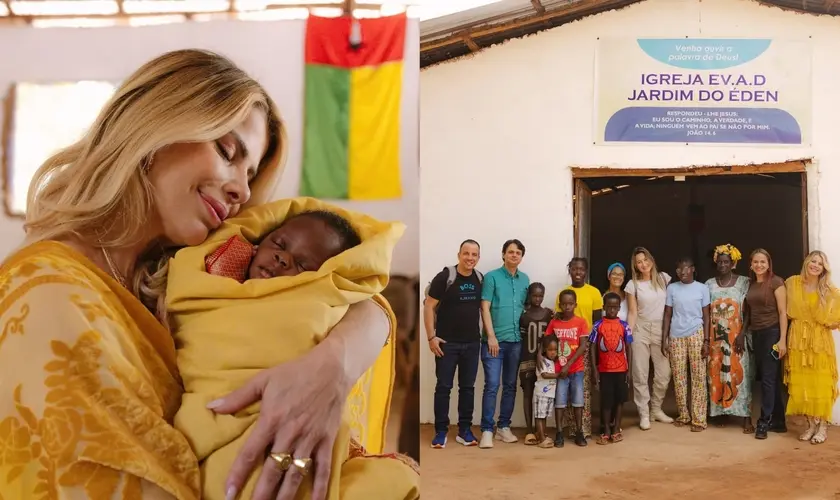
{"x":303,"y":465}
{"x":283,"y":460}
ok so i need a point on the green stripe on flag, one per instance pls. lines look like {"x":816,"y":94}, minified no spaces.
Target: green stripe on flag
{"x":326,"y":132}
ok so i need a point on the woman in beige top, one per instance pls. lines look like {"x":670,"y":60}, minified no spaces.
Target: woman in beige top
{"x":646,"y":308}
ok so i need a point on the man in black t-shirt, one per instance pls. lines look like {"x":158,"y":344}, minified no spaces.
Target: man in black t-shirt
{"x":451,"y":316}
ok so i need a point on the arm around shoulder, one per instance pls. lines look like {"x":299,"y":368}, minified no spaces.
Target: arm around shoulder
{"x":90,"y":393}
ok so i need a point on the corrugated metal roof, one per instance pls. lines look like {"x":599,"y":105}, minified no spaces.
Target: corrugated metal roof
{"x":462,"y":33}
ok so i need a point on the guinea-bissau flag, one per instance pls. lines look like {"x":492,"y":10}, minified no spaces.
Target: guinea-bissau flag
{"x":351,"y":141}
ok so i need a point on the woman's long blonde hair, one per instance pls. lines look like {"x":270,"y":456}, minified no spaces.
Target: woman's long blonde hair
{"x":825,"y":287}
{"x":97,"y":189}
{"x":656,"y":279}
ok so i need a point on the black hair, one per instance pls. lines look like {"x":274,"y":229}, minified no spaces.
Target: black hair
{"x":348,"y":236}
{"x":568,"y":292}
{"x":582,"y":260}
{"x":685,"y":260}
{"x":468,"y":241}
{"x":612,"y":296}
{"x":535,"y":286}
{"x":547,"y":340}
{"x":516,"y":242}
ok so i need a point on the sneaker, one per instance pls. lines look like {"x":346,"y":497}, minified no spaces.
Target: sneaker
{"x":466,"y":438}
{"x":761,"y":431}
{"x":559,"y":441}
{"x":644,"y":423}
{"x":486,"y":439}
{"x":580,"y":440}
{"x":439,"y":442}
{"x":660,"y":416}
{"x":505,"y":435}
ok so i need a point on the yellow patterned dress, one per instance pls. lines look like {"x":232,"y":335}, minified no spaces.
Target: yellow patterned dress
{"x":88,"y":387}
{"x":811,"y":362}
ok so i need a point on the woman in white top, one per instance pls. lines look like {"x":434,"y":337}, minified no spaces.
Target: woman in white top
{"x":616,"y":275}
{"x":645,"y":311}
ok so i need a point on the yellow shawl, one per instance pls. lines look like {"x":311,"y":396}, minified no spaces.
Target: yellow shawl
{"x":228,"y":331}
{"x":88,"y":386}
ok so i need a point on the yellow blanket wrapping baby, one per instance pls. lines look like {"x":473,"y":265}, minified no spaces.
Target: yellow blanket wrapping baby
{"x":226,"y":332}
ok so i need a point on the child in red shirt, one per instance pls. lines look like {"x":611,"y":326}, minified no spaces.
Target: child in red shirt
{"x":611,"y":338}
{"x":572,"y":334}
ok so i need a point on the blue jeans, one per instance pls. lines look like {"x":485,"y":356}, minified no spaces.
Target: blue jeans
{"x":503,"y":368}
{"x":462,"y":356}
{"x":569,"y":391}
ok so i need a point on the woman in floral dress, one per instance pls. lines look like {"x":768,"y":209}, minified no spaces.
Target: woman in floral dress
{"x":730,"y":383}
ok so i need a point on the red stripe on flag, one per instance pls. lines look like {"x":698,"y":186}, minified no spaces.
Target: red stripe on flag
{"x":328,"y":41}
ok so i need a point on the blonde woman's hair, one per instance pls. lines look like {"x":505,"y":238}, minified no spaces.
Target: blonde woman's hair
{"x":97,"y":189}
{"x":825,"y":287}
{"x":656,"y":279}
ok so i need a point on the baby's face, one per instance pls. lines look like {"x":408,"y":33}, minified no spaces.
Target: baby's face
{"x":301,"y":244}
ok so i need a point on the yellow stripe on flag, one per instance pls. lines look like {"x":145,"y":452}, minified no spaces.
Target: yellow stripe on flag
{"x":374,"y":145}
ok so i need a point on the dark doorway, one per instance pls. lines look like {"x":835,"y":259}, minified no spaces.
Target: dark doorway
{"x":677,"y":216}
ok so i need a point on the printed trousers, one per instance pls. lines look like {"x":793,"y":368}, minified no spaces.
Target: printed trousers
{"x":686,"y":353}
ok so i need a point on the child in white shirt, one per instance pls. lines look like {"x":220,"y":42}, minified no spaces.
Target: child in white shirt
{"x":548,"y":366}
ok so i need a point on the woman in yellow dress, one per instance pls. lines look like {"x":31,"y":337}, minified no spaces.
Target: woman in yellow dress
{"x":88,"y":380}
{"x":811,"y":362}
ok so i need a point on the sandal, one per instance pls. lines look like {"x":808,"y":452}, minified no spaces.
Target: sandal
{"x":602,"y":439}
{"x":677,"y":423}
{"x":809,"y":433}
{"x":617,"y":437}
{"x":749,"y":429}
{"x":546,"y":443}
{"x":531,"y":440}
{"x":697,"y":428}
{"x":821,"y":435}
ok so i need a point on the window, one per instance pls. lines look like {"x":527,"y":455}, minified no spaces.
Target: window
{"x":44,"y":119}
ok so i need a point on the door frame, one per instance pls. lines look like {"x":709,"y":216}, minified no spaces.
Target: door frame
{"x":582,"y":194}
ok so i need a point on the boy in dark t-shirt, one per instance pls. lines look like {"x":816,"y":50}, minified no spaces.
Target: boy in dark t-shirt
{"x":532,"y":324}
{"x":451,"y":317}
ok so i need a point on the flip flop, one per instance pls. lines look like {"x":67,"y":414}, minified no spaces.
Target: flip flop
{"x":547,"y":443}
{"x":602,"y":439}
{"x":531,"y":440}
{"x":617,"y":437}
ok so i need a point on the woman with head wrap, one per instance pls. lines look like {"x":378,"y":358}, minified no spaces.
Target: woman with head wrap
{"x":729,"y":370}
{"x":616,"y":274}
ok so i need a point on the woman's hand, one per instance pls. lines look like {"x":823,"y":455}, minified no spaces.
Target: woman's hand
{"x":740,"y":344}
{"x":704,"y":351}
{"x":300,"y":412}
{"x":782,"y":348}
{"x":301,"y":405}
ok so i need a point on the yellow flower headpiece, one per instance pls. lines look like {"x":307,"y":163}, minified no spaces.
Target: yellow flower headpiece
{"x":729,"y":250}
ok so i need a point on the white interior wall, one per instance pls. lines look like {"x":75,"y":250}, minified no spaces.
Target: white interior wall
{"x":500,"y":129}
{"x":271,"y":51}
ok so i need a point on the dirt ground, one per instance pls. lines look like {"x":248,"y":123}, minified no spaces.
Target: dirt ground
{"x":665,"y":462}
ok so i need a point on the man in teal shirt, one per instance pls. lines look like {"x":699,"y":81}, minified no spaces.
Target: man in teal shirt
{"x":502,"y":302}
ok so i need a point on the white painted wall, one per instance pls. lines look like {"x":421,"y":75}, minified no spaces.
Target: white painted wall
{"x":499,"y":131}
{"x":272,"y":51}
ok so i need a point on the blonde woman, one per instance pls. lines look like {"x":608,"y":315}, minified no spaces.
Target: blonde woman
{"x":811,"y":363}
{"x":89,"y":383}
{"x":646,"y":292}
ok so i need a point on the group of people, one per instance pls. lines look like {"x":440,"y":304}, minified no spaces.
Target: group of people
{"x":712,"y":339}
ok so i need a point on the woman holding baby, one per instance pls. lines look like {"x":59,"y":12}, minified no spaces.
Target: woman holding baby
{"x":90,"y":383}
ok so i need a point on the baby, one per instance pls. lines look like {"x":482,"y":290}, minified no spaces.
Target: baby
{"x":303,"y":242}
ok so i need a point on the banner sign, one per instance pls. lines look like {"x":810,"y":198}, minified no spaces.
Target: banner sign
{"x":709,"y":90}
